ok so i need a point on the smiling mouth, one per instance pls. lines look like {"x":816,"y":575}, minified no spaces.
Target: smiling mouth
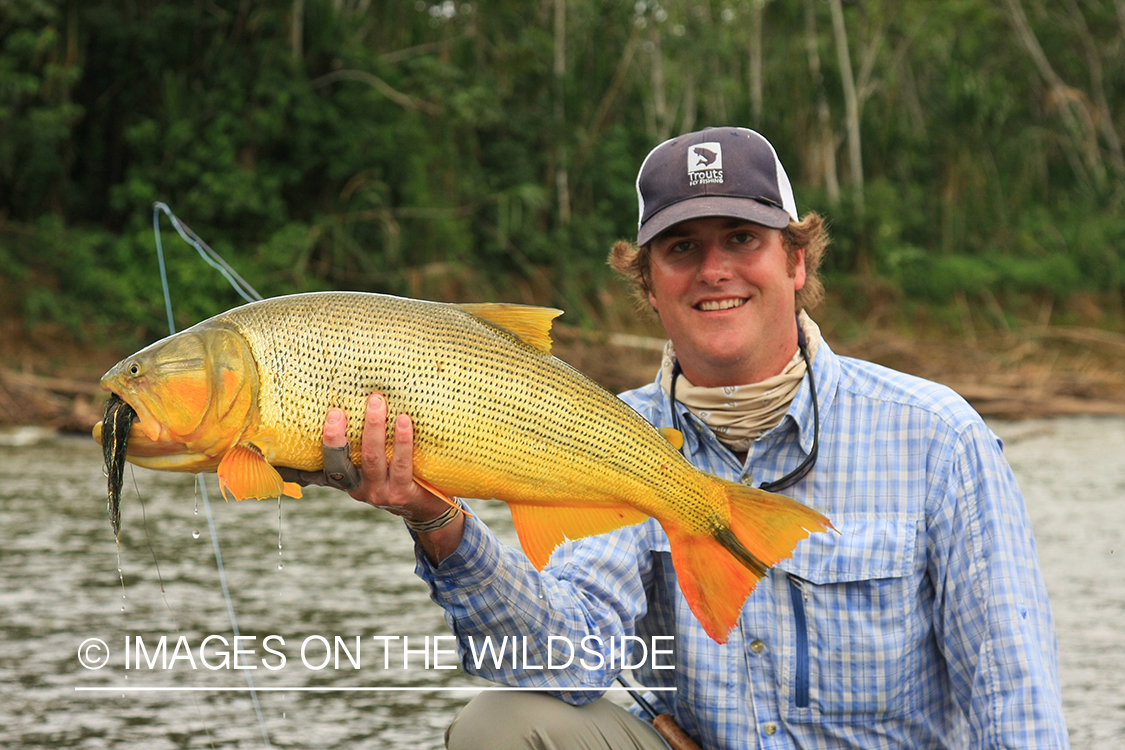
{"x":721,"y":304}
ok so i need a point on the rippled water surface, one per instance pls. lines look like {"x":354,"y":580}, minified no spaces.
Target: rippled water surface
{"x":346,"y":570}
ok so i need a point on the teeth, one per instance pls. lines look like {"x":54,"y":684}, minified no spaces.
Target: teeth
{"x":723,"y":304}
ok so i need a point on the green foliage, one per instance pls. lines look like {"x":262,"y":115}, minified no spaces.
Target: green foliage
{"x":420,"y":147}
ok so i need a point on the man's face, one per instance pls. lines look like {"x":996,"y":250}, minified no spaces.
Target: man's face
{"x":726,"y":298}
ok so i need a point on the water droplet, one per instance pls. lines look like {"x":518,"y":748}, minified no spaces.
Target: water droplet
{"x":283,"y":714}
{"x":279,"y":532}
{"x":120,"y":576}
{"x":195,"y":534}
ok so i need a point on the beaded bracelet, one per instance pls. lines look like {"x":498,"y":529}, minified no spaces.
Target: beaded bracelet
{"x":446,"y":518}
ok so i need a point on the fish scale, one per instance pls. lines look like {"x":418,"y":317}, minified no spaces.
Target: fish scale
{"x":494,"y":415}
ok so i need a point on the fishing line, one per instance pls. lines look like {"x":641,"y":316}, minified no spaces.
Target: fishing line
{"x":249,"y":294}
{"x":164,"y":596}
{"x":148,"y":541}
{"x":212,"y":258}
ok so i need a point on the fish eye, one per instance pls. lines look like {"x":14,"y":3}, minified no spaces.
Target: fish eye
{"x":135,"y":368}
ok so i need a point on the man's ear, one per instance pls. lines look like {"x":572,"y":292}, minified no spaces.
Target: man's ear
{"x":798,"y":268}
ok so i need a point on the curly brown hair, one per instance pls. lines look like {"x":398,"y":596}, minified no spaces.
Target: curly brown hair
{"x":809,"y":233}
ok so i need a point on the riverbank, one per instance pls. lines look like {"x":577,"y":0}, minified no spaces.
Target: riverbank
{"x":49,"y":380}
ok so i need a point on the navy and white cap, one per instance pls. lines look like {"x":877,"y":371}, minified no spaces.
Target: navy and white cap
{"x":713,"y":172}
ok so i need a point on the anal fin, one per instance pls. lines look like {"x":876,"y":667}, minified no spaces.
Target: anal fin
{"x":541,"y":528}
{"x":245,"y":473}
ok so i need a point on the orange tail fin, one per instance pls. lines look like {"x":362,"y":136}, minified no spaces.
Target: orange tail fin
{"x":717,"y":572}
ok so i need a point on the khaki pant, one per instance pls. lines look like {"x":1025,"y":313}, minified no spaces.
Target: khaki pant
{"x":501,"y":720}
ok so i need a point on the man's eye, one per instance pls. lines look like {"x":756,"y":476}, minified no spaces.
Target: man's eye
{"x":742,"y":238}
{"x":680,"y":247}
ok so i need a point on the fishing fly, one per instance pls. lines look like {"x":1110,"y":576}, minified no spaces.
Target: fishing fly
{"x":119,"y":418}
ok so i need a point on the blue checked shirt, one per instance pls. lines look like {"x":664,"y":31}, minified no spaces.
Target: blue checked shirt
{"x":923,"y":624}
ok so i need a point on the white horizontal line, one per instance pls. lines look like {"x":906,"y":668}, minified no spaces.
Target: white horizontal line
{"x":357,"y":689}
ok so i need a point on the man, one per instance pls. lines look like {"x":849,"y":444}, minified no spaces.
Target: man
{"x":923,"y":623}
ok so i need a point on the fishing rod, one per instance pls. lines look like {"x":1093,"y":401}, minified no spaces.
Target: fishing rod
{"x":676,"y":737}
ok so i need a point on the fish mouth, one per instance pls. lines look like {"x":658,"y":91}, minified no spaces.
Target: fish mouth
{"x":727,"y":303}
{"x":116,"y":425}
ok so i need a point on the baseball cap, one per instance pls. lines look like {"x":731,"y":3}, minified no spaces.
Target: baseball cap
{"x":713,"y":172}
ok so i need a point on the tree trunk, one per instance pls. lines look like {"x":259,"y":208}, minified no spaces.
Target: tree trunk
{"x":851,"y":103}
{"x":824,"y":148}
{"x":1076,"y":116}
{"x":660,"y":117}
{"x":756,"y":64}
{"x":297,"y":30}
{"x":562,"y":187}
{"x":1097,"y":90}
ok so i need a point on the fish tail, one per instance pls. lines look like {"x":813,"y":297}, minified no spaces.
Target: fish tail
{"x":717,"y":570}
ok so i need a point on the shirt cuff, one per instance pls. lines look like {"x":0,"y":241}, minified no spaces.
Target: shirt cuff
{"x":472,"y":565}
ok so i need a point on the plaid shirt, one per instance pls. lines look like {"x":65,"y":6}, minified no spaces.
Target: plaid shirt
{"x":923,"y":624}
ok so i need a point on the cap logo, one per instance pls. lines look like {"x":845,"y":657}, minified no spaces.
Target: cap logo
{"x":705,"y":163}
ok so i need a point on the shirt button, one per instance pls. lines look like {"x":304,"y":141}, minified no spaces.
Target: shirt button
{"x":769,"y":728}
{"x":757,"y":646}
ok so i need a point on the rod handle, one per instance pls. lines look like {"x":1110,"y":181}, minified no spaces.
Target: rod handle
{"x":677,"y":738}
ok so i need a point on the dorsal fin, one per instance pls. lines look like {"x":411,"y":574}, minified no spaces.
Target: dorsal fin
{"x":530,"y":324}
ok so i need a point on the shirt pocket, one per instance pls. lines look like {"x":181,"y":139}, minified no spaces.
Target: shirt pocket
{"x":850,"y":610}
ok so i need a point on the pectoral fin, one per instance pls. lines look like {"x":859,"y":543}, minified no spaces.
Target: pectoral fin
{"x":675,"y":437}
{"x":541,"y":528}
{"x":245,"y":473}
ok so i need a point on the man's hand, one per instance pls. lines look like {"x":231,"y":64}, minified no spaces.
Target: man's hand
{"x":387,"y":485}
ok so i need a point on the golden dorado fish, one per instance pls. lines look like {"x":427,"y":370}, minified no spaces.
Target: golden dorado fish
{"x":495,"y":416}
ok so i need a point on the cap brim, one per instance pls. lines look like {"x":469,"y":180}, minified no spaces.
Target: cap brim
{"x":704,"y":206}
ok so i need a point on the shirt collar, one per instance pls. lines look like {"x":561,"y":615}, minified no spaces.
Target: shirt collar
{"x":826,"y":371}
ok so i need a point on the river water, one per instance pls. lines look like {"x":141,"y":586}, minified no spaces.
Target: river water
{"x":345,"y":570}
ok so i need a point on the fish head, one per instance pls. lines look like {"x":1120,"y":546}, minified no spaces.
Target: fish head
{"x":194,"y":394}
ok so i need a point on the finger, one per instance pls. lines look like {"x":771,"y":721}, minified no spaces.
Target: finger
{"x":339,"y":471}
{"x":335,"y":428}
{"x":373,"y":449}
{"x":402,"y":462}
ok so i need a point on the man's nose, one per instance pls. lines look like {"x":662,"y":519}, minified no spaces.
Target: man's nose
{"x":715,"y":264}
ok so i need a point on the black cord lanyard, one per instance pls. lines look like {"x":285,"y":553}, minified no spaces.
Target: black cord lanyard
{"x":806,"y":466}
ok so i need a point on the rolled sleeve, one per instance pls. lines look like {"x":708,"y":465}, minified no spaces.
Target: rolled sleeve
{"x":472,"y":565}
